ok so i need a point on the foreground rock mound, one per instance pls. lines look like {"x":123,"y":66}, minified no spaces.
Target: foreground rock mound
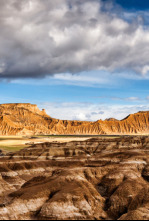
{"x":27,"y":119}
{"x":105,"y":178}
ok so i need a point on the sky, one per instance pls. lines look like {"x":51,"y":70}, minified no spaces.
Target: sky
{"x":78,"y":59}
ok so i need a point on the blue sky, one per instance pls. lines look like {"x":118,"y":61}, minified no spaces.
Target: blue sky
{"x":134,"y":4}
{"x":88,"y":66}
{"x":91,"y":101}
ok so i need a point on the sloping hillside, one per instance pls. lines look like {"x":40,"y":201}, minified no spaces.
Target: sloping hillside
{"x":27,"y":119}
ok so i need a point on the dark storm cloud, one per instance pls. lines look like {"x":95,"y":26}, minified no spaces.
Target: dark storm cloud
{"x":43,"y":37}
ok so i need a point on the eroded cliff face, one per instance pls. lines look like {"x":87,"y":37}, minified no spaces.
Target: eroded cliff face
{"x":97,"y":179}
{"x":27,"y":119}
{"x":23,"y":119}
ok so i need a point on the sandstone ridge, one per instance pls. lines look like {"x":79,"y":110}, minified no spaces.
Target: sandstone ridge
{"x":27,"y":119}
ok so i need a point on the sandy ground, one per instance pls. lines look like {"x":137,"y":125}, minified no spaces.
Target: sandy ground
{"x":14,"y":141}
{"x":14,"y":144}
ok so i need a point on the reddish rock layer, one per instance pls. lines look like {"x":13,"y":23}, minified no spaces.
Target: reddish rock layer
{"x":27,"y":119}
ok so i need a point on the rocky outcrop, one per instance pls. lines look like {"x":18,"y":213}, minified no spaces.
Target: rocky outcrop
{"x":27,"y":119}
{"x":97,"y":179}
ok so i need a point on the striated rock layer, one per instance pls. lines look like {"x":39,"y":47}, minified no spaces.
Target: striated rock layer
{"x":27,"y":119}
{"x":97,"y":179}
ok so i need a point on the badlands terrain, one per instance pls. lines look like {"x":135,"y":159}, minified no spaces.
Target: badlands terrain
{"x":99,"y":179}
{"x":71,"y":177}
{"x":27,"y":119}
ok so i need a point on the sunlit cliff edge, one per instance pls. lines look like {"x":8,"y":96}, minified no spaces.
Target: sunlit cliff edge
{"x":27,"y":119}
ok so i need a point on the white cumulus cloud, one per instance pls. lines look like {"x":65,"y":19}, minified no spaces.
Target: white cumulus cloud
{"x":90,"y":111}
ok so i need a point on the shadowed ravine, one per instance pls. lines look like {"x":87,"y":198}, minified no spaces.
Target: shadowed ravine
{"x":94,"y":179}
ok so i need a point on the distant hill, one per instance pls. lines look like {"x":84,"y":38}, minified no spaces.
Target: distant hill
{"x":111,"y":119}
{"x":27,"y":119}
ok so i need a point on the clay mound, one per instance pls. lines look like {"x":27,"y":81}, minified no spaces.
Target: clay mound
{"x":27,"y":119}
{"x":102,"y":179}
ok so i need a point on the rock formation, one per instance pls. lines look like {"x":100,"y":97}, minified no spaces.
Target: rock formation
{"x":27,"y":119}
{"x":97,"y":179}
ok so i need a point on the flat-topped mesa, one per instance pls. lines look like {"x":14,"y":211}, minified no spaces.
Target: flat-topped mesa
{"x":31,"y":107}
{"x":23,"y":119}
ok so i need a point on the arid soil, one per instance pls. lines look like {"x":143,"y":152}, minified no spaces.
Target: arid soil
{"x":16,"y":143}
{"x":103,"y":179}
{"x":27,"y":119}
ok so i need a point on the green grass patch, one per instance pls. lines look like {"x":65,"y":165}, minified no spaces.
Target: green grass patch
{"x":11,"y":138}
{"x":12,"y":148}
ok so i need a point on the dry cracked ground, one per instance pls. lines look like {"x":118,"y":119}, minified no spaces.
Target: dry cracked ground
{"x":97,"y":179}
